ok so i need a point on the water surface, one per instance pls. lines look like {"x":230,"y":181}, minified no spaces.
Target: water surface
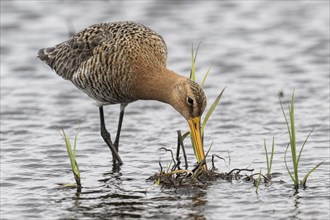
{"x":255,"y":48}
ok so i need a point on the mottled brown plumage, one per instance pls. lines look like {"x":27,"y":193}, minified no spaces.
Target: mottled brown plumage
{"x":121,"y":62}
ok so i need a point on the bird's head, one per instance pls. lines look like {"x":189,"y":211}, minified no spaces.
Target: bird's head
{"x":190,"y":102}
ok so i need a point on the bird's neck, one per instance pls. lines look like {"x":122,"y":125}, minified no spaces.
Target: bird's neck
{"x":158,"y":85}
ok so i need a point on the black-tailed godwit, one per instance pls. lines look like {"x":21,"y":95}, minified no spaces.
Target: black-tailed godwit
{"x":122,"y":62}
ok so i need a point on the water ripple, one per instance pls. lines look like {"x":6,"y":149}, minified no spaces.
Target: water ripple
{"x":256,"y":49}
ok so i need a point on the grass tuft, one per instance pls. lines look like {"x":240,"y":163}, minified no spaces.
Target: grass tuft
{"x":215,"y":102}
{"x":72,"y":156}
{"x":269,"y":161}
{"x":193,"y":62}
{"x":258,"y":182}
{"x":293,"y":146}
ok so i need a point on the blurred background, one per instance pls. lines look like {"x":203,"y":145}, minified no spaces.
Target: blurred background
{"x":255,"y":48}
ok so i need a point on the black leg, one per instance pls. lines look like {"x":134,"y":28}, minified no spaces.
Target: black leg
{"x":106,"y":137}
{"x":120,"y":122}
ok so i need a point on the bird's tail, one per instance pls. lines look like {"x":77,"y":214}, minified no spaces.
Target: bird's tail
{"x":44,"y":54}
{"x":58,"y":58}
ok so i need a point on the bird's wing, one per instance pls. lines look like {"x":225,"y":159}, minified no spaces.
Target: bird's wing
{"x":126,"y":39}
{"x":65,"y":58}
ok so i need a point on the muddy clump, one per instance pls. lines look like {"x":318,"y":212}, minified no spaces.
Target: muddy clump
{"x":200,"y":176}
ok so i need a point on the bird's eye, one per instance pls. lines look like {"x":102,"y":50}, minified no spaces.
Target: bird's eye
{"x":190,"y":100}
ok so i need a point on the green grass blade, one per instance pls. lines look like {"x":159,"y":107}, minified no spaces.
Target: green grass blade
{"x":193,"y":62}
{"x":68,"y":145}
{"x":192,"y":72}
{"x":185,"y":135}
{"x":75,"y":143}
{"x":72,"y":157}
{"x":286,"y":119}
{"x":303,"y":182}
{"x":199,"y":44}
{"x":69,"y":150}
{"x":302,"y":147}
{"x":265,"y":147}
{"x":293,"y":141}
{"x":269,"y":161}
{"x":205,"y":76}
{"x":292,"y":125}
{"x":207,"y":153}
{"x":286,"y":165}
{"x":157,"y":181}
{"x":258,"y":182}
{"x":168,"y":167}
{"x":210,"y":111}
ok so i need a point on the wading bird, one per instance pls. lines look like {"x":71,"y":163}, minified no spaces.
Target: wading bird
{"x":122,"y":62}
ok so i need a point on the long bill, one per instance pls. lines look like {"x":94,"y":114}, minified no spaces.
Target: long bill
{"x":195,"y":132}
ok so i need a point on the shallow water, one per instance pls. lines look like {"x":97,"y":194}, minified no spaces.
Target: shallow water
{"x":255,"y":48}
